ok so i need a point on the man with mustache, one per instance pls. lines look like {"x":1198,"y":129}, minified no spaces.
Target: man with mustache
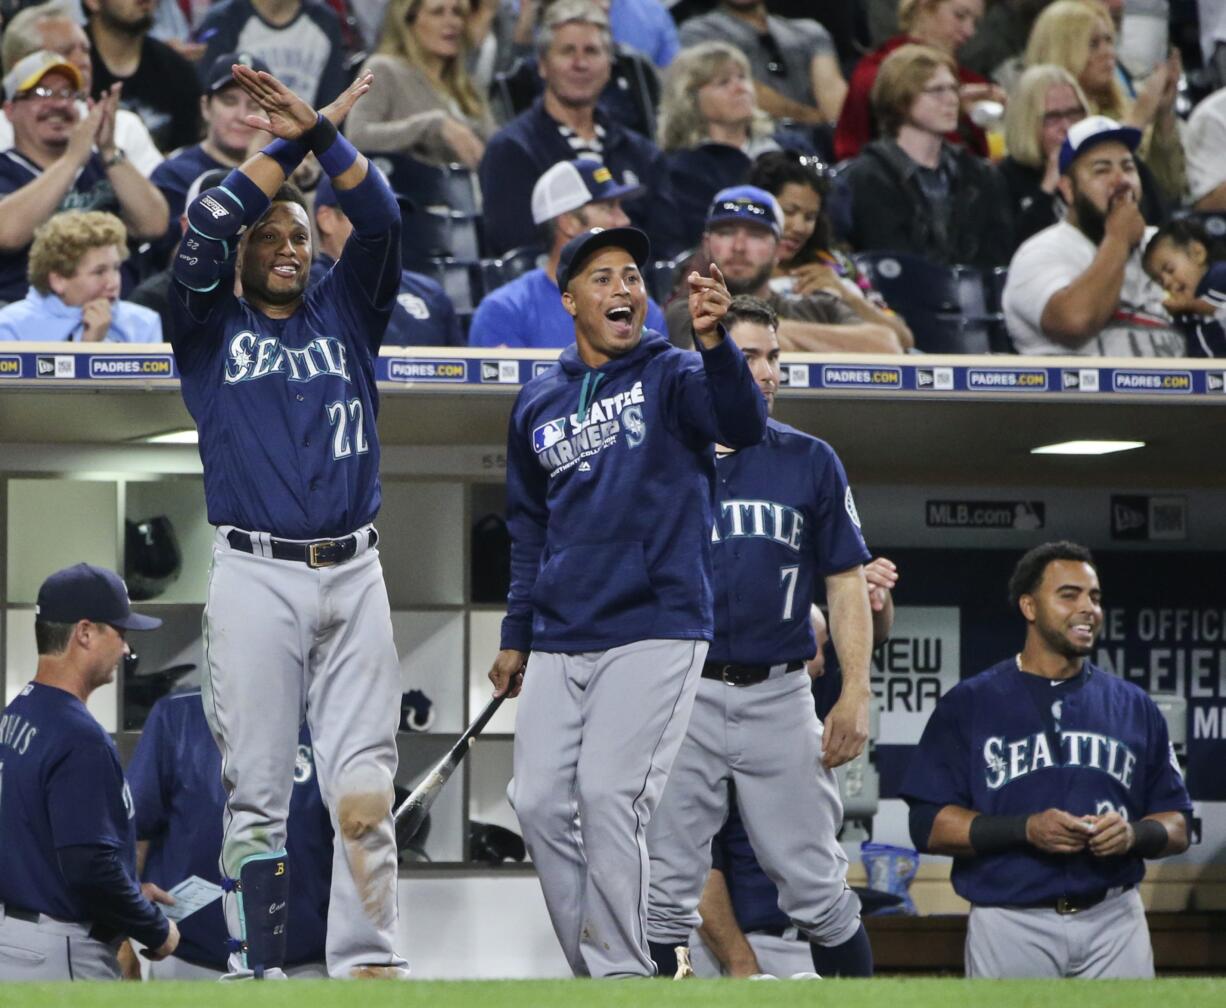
{"x":1078,"y":287}
{"x":61,"y":160}
{"x":1049,"y":781}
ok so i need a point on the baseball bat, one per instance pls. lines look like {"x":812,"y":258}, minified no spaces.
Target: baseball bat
{"x":414,"y":808}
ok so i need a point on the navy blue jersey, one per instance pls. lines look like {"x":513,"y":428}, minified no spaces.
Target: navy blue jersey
{"x":423,"y":314}
{"x":754,"y":897}
{"x":1008,"y":743}
{"x":91,"y":190}
{"x":286,"y":408}
{"x":784,"y":516}
{"x":609,"y":492}
{"x":1206,"y":335}
{"x":176,"y":788}
{"x":61,"y":785}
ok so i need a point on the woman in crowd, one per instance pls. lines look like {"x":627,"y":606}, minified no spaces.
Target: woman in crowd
{"x":942,"y":24}
{"x":808,"y":257}
{"x":1079,"y":36}
{"x":913,"y":191}
{"x":422,"y":102}
{"x":1044,"y":103}
{"x":710,"y":127}
{"x":74,"y":286}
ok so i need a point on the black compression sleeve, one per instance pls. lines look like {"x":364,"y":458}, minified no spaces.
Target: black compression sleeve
{"x":1149,"y":838}
{"x":990,"y":834}
{"x":920,"y":818}
{"x":112,"y":898}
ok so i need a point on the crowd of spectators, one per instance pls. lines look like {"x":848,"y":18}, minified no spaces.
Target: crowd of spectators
{"x":790,"y":143}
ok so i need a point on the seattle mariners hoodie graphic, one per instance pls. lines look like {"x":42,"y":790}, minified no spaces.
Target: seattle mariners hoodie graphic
{"x":610,"y":480}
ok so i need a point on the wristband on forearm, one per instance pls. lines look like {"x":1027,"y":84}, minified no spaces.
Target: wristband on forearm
{"x":287,"y":153}
{"x":990,"y":834}
{"x":334,"y":152}
{"x":1149,"y":838}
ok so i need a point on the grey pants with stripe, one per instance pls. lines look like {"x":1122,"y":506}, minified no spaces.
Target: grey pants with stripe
{"x":595,"y":736}
{"x":53,"y":950}
{"x":283,"y":639}
{"x":767,"y":740}
{"x":1109,"y":941}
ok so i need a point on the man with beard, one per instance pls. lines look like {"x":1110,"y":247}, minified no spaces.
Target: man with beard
{"x":62,"y":160}
{"x":159,"y":85}
{"x":742,"y":239}
{"x":1049,"y":781}
{"x":1078,"y":287}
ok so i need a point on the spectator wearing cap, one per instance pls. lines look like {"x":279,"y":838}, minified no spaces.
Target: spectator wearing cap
{"x":61,"y":160}
{"x":569,"y":199}
{"x":300,"y":40}
{"x":224,"y":108}
{"x":913,"y":191}
{"x":74,"y":286}
{"x":1079,"y":286}
{"x":423,"y":314}
{"x":743,"y":228}
{"x":574,"y":50}
{"x":422,"y":101}
{"x":47,"y":26}
{"x":69,"y":887}
{"x":159,"y":85}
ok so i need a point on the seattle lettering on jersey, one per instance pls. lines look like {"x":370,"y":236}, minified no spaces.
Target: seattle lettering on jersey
{"x":252,"y":357}
{"x":16,"y":733}
{"x":561,"y":443}
{"x":1006,"y":761}
{"x":759,"y":519}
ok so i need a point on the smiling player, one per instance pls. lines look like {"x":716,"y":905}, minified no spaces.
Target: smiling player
{"x":609,"y":487}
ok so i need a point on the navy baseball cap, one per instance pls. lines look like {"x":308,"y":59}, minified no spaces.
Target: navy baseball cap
{"x":581,"y":248}
{"x":91,"y":593}
{"x":220,"y":74}
{"x":569,"y":185}
{"x":1092,"y":131}
{"x":746,"y":204}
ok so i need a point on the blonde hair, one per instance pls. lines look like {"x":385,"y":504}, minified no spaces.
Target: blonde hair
{"x":61,"y":243}
{"x":396,"y":38}
{"x":1061,"y":35}
{"x":681,"y":123}
{"x":1027,"y":104}
{"x":900,"y":80}
{"x":909,"y":10}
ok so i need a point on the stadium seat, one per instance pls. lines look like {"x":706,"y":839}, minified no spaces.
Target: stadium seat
{"x":507,"y":267}
{"x":462,"y":282}
{"x":945,"y":306}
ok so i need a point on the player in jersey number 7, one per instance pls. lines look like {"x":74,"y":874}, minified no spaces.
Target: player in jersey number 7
{"x":281,"y":384}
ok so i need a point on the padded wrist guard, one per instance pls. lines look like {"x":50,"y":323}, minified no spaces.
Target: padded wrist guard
{"x":216,"y":213}
{"x":199,"y":261}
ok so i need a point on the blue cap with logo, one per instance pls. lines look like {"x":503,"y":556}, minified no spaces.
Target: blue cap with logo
{"x":221,"y":75}
{"x":580,"y":248}
{"x":746,"y":204}
{"x":1092,"y":131}
{"x":90,"y":593}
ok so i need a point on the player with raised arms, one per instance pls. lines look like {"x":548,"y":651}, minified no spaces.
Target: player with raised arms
{"x":281,"y":383}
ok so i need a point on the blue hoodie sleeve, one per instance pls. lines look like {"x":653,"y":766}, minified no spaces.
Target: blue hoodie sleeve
{"x":721,"y":402}
{"x":527,"y":515}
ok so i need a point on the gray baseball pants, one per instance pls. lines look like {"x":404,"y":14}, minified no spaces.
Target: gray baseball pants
{"x":595,"y":735}
{"x":282,"y":639}
{"x":53,"y":950}
{"x":1109,"y":941}
{"x":766,"y":739}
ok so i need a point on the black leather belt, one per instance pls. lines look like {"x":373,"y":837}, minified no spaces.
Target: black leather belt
{"x":1065,"y":905}
{"x":743,"y":675}
{"x":321,"y":553}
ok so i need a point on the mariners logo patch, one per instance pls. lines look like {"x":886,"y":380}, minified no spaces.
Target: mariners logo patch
{"x":304,"y":766}
{"x":849,"y":504}
{"x":567,"y":442}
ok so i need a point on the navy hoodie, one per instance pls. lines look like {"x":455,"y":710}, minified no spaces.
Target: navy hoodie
{"x":610,"y":481}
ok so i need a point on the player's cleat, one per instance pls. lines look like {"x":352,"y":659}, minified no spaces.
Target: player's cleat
{"x":805,"y":976}
{"x":262,"y":893}
{"x":763,"y":976}
{"x":684,"y":970}
{"x":379,"y":973}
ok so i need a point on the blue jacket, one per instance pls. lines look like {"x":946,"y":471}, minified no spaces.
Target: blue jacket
{"x":526,"y":147}
{"x":45,"y":318}
{"x":610,"y":479}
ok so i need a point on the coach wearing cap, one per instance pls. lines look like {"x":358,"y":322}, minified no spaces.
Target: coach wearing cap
{"x":567,"y":200}
{"x":610,"y":470}
{"x":68,"y":891}
{"x":1078,"y":287}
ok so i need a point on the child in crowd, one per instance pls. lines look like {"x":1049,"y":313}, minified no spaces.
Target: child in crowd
{"x":1191,"y":267}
